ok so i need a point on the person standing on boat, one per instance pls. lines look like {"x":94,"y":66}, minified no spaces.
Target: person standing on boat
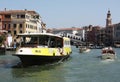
{"x":9,"y":38}
{"x":15,"y":44}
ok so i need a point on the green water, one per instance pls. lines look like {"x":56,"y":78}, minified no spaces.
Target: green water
{"x":86,"y":67}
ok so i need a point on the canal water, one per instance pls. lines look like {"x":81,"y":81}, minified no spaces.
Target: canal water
{"x":80,"y":67}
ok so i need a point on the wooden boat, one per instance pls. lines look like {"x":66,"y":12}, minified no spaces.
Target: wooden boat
{"x":108,"y":53}
{"x":42,"y":48}
{"x":83,"y":49}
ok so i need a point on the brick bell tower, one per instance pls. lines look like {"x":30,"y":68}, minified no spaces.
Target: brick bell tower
{"x":108,"y":19}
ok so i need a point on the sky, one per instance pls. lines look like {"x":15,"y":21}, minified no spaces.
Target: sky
{"x":68,"y":13}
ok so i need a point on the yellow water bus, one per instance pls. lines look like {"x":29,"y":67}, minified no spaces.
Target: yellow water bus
{"x":42,"y":48}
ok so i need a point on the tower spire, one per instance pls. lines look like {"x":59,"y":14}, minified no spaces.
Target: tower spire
{"x":108,"y":19}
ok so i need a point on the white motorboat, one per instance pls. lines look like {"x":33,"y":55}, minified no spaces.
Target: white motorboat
{"x":84,"y":49}
{"x":108,"y":53}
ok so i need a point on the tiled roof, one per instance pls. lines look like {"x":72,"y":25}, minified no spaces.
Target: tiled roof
{"x":17,"y":11}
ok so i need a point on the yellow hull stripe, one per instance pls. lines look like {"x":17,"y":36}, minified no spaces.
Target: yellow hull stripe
{"x":51,"y":51}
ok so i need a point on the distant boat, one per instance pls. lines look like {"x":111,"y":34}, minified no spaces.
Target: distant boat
{"x":117,"y":44}
{"x":108,"y":53}
{"x":42,"y":48}
{"x":84,"y":49}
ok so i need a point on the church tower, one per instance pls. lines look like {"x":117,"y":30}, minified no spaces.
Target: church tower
{"x":108,"y":20}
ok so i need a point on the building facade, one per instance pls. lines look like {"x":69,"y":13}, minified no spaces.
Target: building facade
{"x":92,"y":34}
{"x":109,"y":34}
{"x":116,"y":34}
{"x":20,"y":21}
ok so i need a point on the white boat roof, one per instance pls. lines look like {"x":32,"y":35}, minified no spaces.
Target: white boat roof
{"x":107,"y":48}
{"x":36,"y":34}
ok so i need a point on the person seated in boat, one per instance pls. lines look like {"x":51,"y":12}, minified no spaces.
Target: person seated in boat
{"x":44,"y":44}
{"x":111,"y":51}
{"x":59,"y":44}
{"x":110,"y":48}
{"x":104,"y":51}
{"x":52,"y":44}
{"x":15,"y":44}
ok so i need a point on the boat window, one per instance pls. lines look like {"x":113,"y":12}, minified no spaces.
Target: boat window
{"x":43,"y":40}
{"x":59,"y":43}
{"x":56,"y":42}
{"x":29,"y":42}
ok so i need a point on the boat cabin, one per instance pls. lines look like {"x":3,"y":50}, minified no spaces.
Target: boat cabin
{"x":41,"y":41}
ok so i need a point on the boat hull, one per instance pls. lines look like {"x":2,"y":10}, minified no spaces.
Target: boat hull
{"x":108,"y":56}
{"x":40,"y":60}
{"x":84,"y":50}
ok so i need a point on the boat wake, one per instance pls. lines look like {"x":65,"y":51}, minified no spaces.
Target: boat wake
{"x":58,"y":62}
{"x":108,"y":61}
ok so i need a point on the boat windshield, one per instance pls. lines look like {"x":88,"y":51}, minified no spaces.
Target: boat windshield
{"x":41,"y":41}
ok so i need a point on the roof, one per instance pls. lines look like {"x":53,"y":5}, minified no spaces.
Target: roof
{"x":37,"y":34}
{"x":17,"y":11}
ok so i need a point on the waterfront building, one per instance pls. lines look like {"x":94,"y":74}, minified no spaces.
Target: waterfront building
{"x":20,"y":21}
{"x":91,"y":34}
{"x":112,"y":33}
{"x":87,"y":29}
{"x":1,"y":30}
{"x":101,"y":36}
{"x":116,"y":35}
{"x":109,"y":29}
{"x":81,"y":33}
{"x":109,"y":34}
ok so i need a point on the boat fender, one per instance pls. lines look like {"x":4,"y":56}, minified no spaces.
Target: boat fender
{"x":53,"y":54}
{"x":67,"y":53}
